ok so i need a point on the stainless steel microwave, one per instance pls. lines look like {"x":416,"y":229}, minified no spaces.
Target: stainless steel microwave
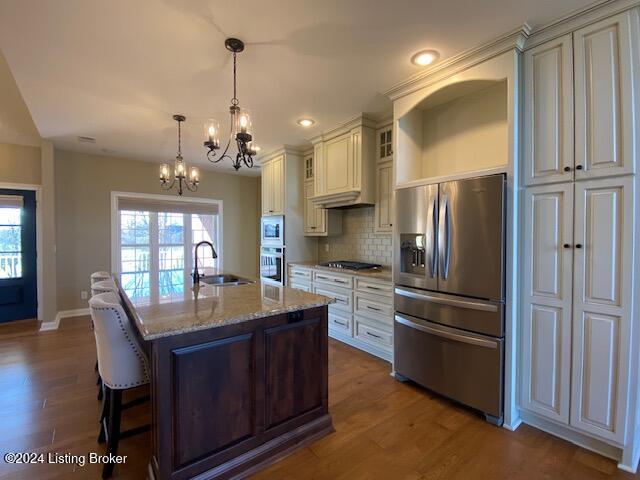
{"x":272,"y":231}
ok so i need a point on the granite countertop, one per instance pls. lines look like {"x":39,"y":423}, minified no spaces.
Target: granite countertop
{"x":384,"y":274}
{"x":209,"y":306}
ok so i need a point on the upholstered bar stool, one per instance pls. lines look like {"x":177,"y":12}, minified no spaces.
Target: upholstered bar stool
{"x":123,"y":365}
{"x":103,"y":286}
{"x":97,"y":287}
{"x":99,"y":276}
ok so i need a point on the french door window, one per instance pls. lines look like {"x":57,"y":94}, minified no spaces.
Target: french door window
{"x":156,"y":248}
{"x":10,"y":242}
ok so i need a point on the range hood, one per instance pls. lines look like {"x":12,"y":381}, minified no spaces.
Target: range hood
{"x":345,"y":165}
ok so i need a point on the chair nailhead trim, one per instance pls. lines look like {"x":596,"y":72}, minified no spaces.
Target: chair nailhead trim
{"x":136,"y":350}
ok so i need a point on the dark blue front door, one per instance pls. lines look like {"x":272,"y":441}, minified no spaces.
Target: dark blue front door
{"x":18,"y":270}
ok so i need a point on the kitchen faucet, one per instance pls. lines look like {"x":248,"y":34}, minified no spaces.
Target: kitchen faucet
{"x":196,"y":275}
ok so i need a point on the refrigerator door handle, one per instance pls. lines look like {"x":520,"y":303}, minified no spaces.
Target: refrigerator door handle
{"x":451,"y":302}
{"x":430,"y":236}
{"x":445,"y":333}
{"x":443,"y":237}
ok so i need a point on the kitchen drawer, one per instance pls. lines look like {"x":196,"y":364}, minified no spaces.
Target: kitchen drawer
{"x":341,"y":322}
{"x":342,"y":296}
{"x":365,"y":285}
{"x":331,"y":278}
{"x":305,"y":286}
{"x":372,"y":332}
{"x":379,"y":308}
{"x":300,"y":273}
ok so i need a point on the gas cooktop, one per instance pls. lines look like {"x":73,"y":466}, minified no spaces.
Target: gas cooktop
{"x":348,"y":265}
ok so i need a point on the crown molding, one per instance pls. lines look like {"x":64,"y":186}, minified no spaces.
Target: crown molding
{"x":359,"y":120}
{"x":514,"y":39}
{"x":577,"y":19}
{"x":284,"y":150}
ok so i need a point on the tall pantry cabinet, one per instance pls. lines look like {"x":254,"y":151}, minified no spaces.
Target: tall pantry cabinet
{"x":581,"y":114}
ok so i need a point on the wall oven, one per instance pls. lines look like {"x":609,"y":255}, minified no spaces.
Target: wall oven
{"x":272,"y":265}
{"x":272,"y":231}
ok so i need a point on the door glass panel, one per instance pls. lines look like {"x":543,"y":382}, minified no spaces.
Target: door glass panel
{"x":10,"y":243}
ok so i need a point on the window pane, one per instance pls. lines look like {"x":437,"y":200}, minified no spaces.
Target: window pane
{"x":171,"y":282}
{"x":10,"y":216}
{"x":10,"y":265}
{"x":134,"y":228}
{"x":171,"y":258}
{"x":135,"y":259}
{"x":171,"y":228}
{"x":10,"y":239}
{"x":136,"y":285}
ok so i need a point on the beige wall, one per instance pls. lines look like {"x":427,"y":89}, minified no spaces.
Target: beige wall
{"x":20,"y":164}
{"x":466,"y":134}
{"x":83,"y":215}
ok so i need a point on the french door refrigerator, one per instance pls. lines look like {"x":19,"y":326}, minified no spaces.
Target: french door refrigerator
{"x":449,"y":297}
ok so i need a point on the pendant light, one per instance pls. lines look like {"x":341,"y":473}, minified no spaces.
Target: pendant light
{"x":179,"y":177}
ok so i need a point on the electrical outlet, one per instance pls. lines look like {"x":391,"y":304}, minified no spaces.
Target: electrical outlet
{"x":84,"y":295}
{"x":326,"y":247}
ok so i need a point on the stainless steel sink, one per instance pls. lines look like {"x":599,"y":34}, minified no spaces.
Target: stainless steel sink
{"x":224,"y":279}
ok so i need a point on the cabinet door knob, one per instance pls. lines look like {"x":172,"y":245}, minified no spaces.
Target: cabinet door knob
{"x":566,"y":245}
{"x":578,"y":167}
{"x":578,"y":245}
{"x":567,"y":169}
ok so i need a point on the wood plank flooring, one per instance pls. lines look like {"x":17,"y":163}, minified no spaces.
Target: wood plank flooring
{"x":384,"y":429}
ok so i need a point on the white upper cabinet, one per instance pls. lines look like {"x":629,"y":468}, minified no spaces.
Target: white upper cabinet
{"x":606,"y":91}
{"x":548,"y":112}
{"x":318,"y":221}
{"x":384,"y":180}
{"x":546,"y":355}
{"x":344,"y":171}
{"x":273,"y":186}
{"x":603,"y":267}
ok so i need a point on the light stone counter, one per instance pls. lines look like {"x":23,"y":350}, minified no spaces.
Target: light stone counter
{"x":209,"y":307}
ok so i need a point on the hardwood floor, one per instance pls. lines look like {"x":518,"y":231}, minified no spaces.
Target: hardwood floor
{"x":384,"y":429}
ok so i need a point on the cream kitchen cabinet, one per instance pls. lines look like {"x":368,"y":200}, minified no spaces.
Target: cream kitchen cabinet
{"x":548,"y":290}
{"x":602,"y":301}
{"x":577,"y":318}
{"x":273,"y":186}
{"x":384,"y":198}
{"x":548,"y":112}
{"x":606,"y":96}
{"x":581,"y":92}
{"x":318,"y":221}
{"x":345,"y":165}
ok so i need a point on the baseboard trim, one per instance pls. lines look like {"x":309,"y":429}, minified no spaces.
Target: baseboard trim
{"x":513,"y":426}
{"x":570,"y":435}
{"x":49,"y":326}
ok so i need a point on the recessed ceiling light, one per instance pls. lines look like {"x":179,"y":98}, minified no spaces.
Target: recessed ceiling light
{"x":425,"y":57}
{"x":306,"y":122}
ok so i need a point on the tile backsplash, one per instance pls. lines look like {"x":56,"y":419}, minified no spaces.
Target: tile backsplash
{"x":358,"y":241}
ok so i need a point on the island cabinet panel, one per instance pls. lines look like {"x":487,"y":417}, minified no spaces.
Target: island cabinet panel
{"x":292,"y":351}
{"x":230,"y":399}
{"x":215,"y":381}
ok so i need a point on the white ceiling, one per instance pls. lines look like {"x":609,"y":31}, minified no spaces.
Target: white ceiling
{"x":117,"y":70}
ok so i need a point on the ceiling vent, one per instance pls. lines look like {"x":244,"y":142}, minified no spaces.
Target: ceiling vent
{"x":87,"y":139}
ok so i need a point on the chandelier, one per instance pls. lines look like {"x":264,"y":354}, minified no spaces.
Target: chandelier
{"x":179,"y":177}
{"x":240,"y":131}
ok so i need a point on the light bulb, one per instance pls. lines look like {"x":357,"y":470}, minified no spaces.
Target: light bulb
{"x":424,"y":58}
{"x":211,"y":133}
{"x":179,"y":169}
{"x":164,"y":172}
{"x":194,"y":175}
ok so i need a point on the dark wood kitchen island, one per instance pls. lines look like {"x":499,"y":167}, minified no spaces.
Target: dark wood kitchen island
{"x":239,"y":378}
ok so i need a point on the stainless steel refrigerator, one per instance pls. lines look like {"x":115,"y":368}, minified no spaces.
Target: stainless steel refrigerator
{"x":449,"y":275}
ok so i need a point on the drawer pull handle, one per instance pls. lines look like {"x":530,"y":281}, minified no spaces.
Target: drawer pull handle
{"x":343,"y":324}
{"x":373,"y":335}
{"x":375,"y":309}
{"x":338,"y":281}
{"x":373,"y":288}
{"x":341,"y":300}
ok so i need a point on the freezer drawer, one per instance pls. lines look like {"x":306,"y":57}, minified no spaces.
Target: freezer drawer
{"x":478,"y":316}
{"x":460,"y":365}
